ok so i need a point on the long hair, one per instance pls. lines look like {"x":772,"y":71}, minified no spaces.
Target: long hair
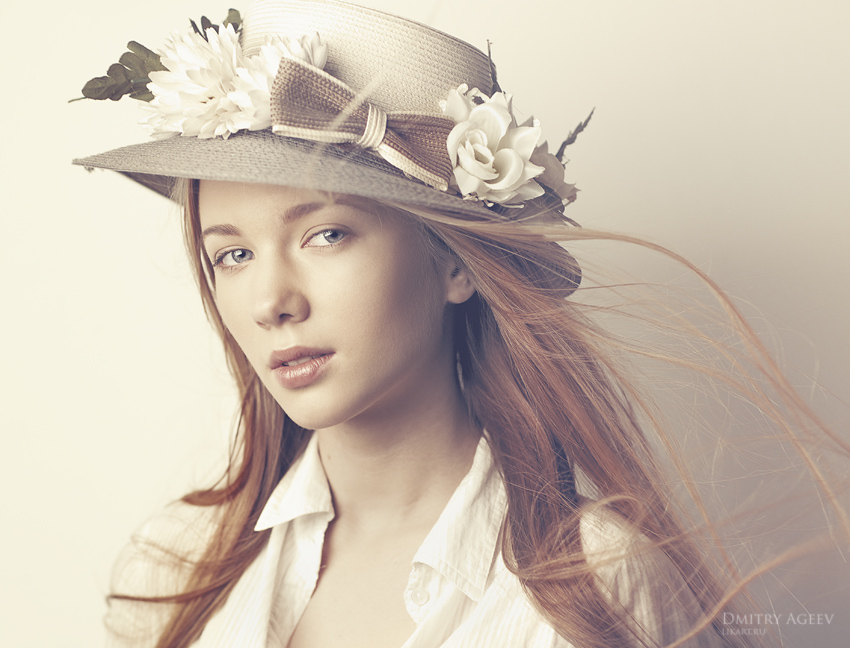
{"x":569,"y":429}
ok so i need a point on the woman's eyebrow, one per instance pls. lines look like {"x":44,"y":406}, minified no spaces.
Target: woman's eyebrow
{"x":293,"y":213}
{"x":221,"y":230}
{"x":297,"y":211}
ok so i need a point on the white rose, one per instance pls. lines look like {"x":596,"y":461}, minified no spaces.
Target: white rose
{"x":490,"y":153}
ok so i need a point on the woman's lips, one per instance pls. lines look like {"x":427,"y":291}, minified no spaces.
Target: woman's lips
{"x":299,"y":368}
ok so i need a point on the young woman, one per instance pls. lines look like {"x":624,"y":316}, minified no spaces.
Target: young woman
{"x":437,"y":447}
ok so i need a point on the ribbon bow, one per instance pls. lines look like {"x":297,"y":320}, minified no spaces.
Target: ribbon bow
{"x":308,"y":103}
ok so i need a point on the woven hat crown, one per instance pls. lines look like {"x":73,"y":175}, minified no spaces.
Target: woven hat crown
{"x":399,"y":64}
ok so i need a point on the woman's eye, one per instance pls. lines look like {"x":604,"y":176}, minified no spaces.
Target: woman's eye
{"x":234,"y":257}
{"x":326,"y":238}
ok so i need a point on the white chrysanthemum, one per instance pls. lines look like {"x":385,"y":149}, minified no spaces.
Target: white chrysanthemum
{"x":211,"y":89}
{"x":310,"y":49}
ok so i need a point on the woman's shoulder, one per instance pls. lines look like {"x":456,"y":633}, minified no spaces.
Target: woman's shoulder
{"x":156,"y":562}
{"x":636,"y":574}
{"x":624,"y":562}
{"x":636,"y":578}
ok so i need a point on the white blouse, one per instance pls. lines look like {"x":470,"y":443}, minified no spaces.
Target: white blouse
{"x":459,"y":591}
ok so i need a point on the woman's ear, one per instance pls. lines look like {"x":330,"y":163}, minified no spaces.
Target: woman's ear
{"x":459,"y":286}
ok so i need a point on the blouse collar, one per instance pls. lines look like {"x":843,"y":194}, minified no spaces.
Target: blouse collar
{"x":304,"y":490}
{"x":462,"y":545}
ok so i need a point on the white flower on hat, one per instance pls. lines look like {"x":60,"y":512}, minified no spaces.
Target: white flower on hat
{"x":212,"y":89}
{"x":310,"y":49}
{"x":490,"y":152}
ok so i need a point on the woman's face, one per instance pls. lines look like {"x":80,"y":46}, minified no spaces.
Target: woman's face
{"x":340,"y":307}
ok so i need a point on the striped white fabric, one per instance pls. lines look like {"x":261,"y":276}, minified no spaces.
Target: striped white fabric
{"x":459,"y":593}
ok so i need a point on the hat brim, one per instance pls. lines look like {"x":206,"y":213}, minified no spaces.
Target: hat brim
{"x":265,"y":158}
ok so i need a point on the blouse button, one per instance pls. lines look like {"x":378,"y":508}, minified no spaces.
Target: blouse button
{"x":419,"y":596}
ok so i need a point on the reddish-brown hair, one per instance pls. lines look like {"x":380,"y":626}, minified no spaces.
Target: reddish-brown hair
{"x":563,"y":419}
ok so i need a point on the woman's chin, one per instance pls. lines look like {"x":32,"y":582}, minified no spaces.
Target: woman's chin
{"x":312,"y":420}
{"x":317,"y":415}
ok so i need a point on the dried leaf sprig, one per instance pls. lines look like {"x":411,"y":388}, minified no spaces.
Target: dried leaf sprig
{"x":233,"y":18}
{"x":572,"y":137}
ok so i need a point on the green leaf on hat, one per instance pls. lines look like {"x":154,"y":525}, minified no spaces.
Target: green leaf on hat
{"x":131,"y":75}
{"x":233,"y":18}
{"x":134,"y":63}
{"x":121,"y":81}
{"x":98,"y":88}
{"x":118,"y":72}
{"x":113,"y":86}
{"x":150,"y":58}
{"x":142,"y":95}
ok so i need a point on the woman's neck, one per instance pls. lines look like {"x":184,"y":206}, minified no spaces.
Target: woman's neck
{"x":396,"y":469}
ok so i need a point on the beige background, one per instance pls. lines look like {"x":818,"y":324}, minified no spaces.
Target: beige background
{"x":721,"y":130}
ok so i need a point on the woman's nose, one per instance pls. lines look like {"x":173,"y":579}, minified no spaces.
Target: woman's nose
{"x":278,"y":296}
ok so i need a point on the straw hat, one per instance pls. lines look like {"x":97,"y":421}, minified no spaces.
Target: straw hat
{"x":336,"y":97}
